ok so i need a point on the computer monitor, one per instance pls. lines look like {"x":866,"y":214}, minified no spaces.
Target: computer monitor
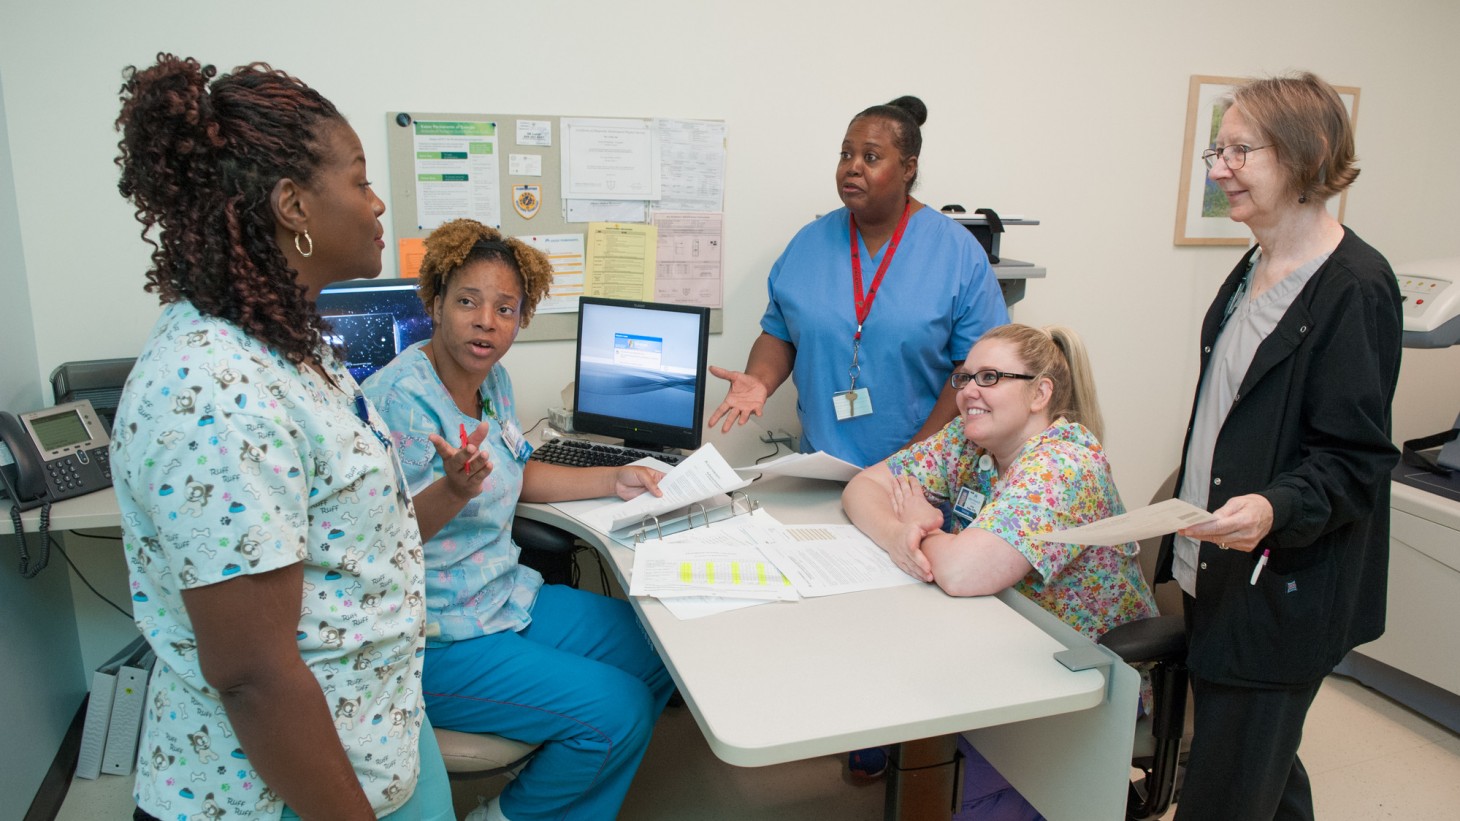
{"x":373,"y":322}
{"x":641,"y":372}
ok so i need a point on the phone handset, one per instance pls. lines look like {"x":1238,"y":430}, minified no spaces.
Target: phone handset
{"x":20,"y":464}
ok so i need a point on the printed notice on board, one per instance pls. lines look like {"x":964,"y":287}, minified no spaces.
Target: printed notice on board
{"x":565,"y":252}
{"x":688,"y":270}
{"x":535,"y":132}
{"x":620,"y":260}
{"x":456,"y":173}
{"x":609,"y":160}
{"x":692,"y":165}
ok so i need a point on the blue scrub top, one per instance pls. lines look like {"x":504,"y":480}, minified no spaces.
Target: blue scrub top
{"x":938,"y":297}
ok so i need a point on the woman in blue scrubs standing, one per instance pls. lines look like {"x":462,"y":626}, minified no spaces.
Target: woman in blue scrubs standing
{"x":871,"y":305}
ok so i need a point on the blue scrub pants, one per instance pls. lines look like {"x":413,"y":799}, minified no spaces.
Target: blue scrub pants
{"x":582,"y":679}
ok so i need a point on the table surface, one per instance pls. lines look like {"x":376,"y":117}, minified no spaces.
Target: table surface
{"x":787,"y":681}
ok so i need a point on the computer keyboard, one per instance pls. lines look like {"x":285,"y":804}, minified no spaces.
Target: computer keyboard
{"x":579,"y":453}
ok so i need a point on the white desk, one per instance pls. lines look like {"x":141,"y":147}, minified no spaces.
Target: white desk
{"x":782,"y":682}
{"x":97,"y":509}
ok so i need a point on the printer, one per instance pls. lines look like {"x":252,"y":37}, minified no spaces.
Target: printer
{"x":1414,"y":661}
{"x":98,"y":380}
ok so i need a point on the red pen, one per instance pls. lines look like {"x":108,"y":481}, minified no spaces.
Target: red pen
{"x":465,"y":466}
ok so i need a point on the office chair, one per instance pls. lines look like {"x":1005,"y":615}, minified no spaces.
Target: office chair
{"x":480,"y":755}
{"x":546,"y":549}
{"x":1160,"y":644}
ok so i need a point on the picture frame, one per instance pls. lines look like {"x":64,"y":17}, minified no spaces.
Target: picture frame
{"x":1201,"y":209}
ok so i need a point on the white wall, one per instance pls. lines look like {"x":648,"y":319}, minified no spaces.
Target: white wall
{"x":1070,"y":112}
{"x":41,"y":680}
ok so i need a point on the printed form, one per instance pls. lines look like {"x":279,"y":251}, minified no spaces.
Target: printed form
{"x":825,"y":560}
{"x":1156,"y":520}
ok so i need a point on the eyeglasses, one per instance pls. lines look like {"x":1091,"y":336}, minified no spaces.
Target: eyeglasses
{"x":1235,"y":156}
{"x":986,"y":378}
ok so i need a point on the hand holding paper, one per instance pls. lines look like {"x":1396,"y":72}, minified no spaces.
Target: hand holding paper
{"x":1157,"y":520}
{"x":702,"y":475}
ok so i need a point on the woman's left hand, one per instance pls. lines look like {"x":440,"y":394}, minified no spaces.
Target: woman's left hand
{"x":467,"y":467}
{"x":910,"y":505}
{"x":633,"y":480}
{"x":1241,"y":524}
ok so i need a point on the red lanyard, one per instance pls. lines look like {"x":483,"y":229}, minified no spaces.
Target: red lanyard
{"x":864,"y":302}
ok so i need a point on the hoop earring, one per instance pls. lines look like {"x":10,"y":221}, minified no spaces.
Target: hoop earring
{"x":302,"y":252}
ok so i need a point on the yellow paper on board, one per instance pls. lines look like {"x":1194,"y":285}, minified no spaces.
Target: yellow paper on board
{"x":620,"y":263}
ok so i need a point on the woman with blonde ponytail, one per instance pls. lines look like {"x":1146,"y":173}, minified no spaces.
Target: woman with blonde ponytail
{"x":960,"y":508}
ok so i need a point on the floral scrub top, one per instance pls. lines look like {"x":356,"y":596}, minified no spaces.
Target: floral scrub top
{"x":1061,"y":479}
{"x":474,"y":585}
{"x":229,"y":461}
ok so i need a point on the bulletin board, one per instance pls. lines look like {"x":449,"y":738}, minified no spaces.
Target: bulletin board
{"x":547,"y":220}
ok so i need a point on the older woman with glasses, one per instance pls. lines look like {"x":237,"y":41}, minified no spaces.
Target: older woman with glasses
{"x":1289,"y":446}
{"x":1022,"y":458}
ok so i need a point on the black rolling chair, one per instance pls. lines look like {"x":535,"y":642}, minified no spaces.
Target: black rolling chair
{"x":546,"y":549}
{"x":1160,"y":644}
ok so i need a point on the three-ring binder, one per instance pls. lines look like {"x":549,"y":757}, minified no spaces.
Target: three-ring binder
{"x":739,"y":504}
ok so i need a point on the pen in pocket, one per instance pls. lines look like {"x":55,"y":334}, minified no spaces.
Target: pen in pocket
{"x":1262,"y":562}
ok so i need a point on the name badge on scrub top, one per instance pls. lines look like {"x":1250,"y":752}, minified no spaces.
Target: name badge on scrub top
{"x":967,"y":506}
{"x":851,"y":404}
{"x":514,"y":440}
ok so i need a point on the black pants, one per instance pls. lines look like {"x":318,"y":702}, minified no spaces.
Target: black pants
{"x":1244,"y":754}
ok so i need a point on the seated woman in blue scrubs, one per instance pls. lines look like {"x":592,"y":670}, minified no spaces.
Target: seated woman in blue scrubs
{"x":959,"y":508}
{"x":506,"y":653}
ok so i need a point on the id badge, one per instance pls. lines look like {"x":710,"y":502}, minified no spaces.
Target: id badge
{"x":968,"y":505}
{"x":514,"y":440}
{"x":851,"y":404}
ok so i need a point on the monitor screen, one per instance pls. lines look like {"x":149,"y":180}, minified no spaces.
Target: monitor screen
{"x":373,"y":322}
{"x":641,"y":372}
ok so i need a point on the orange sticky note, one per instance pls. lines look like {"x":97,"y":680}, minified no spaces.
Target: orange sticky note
{"x":411,"y":252}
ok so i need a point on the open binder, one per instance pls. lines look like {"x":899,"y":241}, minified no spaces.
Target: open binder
{"x":696,"y":515}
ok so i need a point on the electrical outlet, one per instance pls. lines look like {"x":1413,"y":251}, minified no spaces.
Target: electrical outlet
{"x":779,"y":437}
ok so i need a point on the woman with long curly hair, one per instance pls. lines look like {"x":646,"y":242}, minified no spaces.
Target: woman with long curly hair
{"x":274,"y":558}
{"x":505,"y":653}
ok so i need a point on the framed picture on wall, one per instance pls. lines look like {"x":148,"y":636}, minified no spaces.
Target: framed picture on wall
{"x":1201,"y":208}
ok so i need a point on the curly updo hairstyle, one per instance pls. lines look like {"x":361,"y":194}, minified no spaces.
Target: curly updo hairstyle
{"x":906,"y":114}
{"x":460,"y":242}
{"x":199,"y":158}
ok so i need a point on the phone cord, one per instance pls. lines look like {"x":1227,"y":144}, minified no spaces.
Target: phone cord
{"x":28,"y":570}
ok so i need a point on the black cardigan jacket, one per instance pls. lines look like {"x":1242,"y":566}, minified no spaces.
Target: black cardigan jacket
{"x":1309,"y":430}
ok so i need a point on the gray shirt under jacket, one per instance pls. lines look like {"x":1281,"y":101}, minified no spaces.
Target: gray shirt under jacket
{"x":1249,"y":321}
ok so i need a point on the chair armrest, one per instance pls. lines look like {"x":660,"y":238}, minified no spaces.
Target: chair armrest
{"x":1157,"y":639}
{"x":533,"y":535}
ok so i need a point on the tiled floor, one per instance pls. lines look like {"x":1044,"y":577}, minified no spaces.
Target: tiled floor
{"x":1368,"y":757}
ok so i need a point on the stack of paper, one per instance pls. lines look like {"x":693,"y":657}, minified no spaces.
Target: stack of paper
{"x":722,"y":561}
{"x":824,"y":560}
{"x":755,"y":559}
